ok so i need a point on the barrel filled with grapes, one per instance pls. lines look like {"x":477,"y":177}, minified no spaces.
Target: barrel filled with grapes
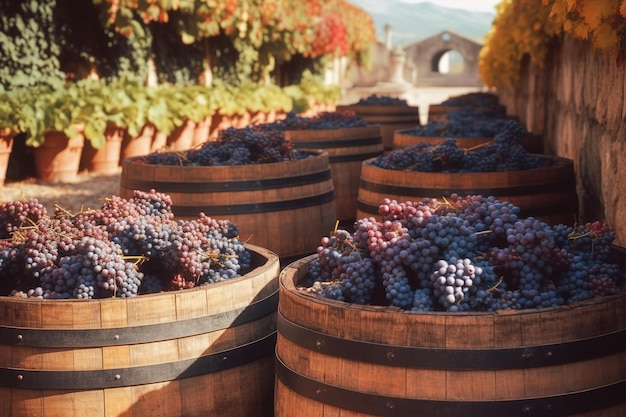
{"x":347,"y":138}
{"x":543,"y":186}
{"x":390,"y":113}
{"x":127,"y":310}
{"x":281,"y":198}
{"x":457,"y":307}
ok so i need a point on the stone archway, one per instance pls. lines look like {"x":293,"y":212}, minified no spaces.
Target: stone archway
{"x":426,"y":58}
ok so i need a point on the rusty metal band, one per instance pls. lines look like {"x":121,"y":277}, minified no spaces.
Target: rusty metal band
{"x":572,"y":403}
{"x":228,"y":186}
{"x":522,"y":190}
{"x":85,"y":338}
{"x":453,"y":359}
{"x":342,"y":143}
{"x":218,"y":210}
{"x":140,"y":375}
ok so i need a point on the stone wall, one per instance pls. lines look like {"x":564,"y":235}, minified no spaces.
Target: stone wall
{"x":577,"y":101}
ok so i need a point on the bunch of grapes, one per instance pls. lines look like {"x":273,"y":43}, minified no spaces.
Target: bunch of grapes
{"x":481,"y":100}
{"x":505,"y":153}
{"x":128,"y":247}
{"x":381,"y":100}
{"x":340,"y":272}
{"x":245,"y":146}
{"x":326,"y":120}
{"x":470,"y":253}
{"x":460,"y":124}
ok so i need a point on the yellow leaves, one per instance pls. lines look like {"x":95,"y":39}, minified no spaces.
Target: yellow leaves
{"x":579,"y":30}
{"x":605,"y":37}
{"x":523,"y":28}
{"x":596,"y":11}
{"x":570,"y":4}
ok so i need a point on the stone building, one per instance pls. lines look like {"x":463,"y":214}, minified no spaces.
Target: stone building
{"x":443,"y":60}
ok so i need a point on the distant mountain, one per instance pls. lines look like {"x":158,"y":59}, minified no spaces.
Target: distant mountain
{"x":412,"y":22}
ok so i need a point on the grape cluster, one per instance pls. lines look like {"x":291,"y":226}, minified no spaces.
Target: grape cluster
{"x":478,"y":99}
{"x":505,"y":153}
{"x":128,"y":247}
{"x":461,"y":124}
{"x":325,"y":120}
{"x":342,"y":273}
{"x":467,"y":253}
{"x":381,"y":100}
{"x":234,"y":146}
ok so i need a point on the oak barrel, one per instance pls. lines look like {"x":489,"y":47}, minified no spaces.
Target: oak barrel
{"x":196,"y":352}
{"x":389,"y":117}
{"x":548,"y":193}
{"x":335,"y":358}
{"x":347,"y":149}
{"x":285,"y":207}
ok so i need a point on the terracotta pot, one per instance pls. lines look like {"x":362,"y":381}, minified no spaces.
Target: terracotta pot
{"x":139,"y":145}
{"x":202,"y":132}
{"x":6,"y":144}
{"x":105,"y":160}
{"x":58,"y":157}
{"x":181,"y":137}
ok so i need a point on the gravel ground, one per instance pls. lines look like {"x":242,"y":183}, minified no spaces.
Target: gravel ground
{"x":88,"y":191}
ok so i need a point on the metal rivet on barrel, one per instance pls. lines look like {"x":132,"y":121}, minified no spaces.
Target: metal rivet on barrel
{"x":391,"y":406}
{"x":116,"y":337}
{"x":118,"y":377}
{"x":526,"y":409}
{"x":318,"y":391}
{"x":20,"y":337}
{"x":318,"y":344}
{"x":20,"y":377}
{"x":391,"y":356}
{"x":548,"y":354}
{"x":527,"y":354}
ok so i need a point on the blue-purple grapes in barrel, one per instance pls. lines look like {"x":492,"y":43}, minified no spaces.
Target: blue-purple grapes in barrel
{"x":468,"y":253}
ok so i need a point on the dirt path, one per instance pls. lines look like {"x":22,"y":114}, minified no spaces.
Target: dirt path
{"x":87,"y":192}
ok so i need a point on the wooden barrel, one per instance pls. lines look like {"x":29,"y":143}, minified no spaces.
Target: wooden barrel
{"x":347,"y":149}
{"x":335,"y":358}
{"x":389,"y":118}
{"x":547,"y":193}
{"x":533,"y":142}
{"x":198,"y":352}
{"x":286,"y":207}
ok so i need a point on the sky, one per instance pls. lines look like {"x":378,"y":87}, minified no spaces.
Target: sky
{"x":477,"y":5}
